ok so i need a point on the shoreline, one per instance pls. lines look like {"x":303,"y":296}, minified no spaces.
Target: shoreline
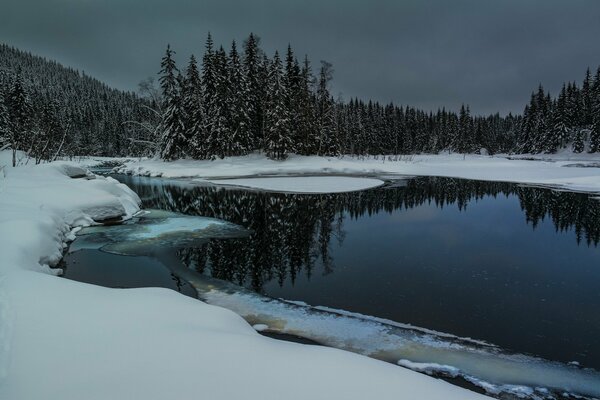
{"x":551,"y":174}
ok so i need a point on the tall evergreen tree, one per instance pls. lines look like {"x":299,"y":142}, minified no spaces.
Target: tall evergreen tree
{"x":20,"y":110}
{"x":252,"y":71}
{"x":238,"y":103}
{"x":173,"y":137}
{"x":307,"y":132}
{"x":193,"y":109}
{"x":278,"y":142}
{"x":292,"y":102}
{"x":5,"y":128}
{"x":327,"y":135}
{"x":595,"y":130}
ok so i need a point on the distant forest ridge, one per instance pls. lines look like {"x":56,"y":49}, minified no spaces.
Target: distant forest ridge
{"x":236,"y":101}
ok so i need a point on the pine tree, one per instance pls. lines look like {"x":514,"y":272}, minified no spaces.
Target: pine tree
{"x":307,"y":133}
{"x":465,"y":130}
{"x":587,"y":100}
{"x":173,"y":129}
{"x":5,"y":128}
{"x":238,"y":104}
{"x":220,"y":140}
{"x":595,"y":129}
{"x":252,"y":71}
{"x":193,"y":109}
{"x":20,"y":110}
{"x":327,"y":135}
{"x":578,"y":144}
{"x":51,"y":133}
{"x":292,"y":102}
{"x":278,"y":142}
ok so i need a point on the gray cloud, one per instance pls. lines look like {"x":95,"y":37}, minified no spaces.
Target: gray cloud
{"x":433,"y":53}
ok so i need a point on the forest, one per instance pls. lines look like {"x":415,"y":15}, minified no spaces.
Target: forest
{"x":235,"y":102}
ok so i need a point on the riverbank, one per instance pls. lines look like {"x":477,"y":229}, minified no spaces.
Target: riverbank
{"x":564,"y":172}
{"x":69,"y":340}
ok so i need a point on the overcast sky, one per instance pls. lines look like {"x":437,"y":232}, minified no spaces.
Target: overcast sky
{"x":489,"y":54}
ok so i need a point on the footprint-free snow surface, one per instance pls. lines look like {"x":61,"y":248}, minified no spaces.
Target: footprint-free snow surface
{"x":304,"y":184}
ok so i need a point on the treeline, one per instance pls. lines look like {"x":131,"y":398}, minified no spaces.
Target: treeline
{"x":237,"y":102}
{"x":571,"y":119}
{"x":47,"y":110}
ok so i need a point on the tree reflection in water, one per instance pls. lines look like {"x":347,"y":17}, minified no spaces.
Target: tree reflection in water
{"x":292,"y":232}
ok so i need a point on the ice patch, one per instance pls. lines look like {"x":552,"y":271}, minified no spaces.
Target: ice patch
{"x":154,"y":229}
{"x":430,"y":368}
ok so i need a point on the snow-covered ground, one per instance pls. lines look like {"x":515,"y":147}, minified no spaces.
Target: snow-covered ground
{"x":303,"y":184}
{"x":61,"y":339}
{"x":558,"y":172}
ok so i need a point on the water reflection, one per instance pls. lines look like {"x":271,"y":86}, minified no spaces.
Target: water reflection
{"x":292,"y":233}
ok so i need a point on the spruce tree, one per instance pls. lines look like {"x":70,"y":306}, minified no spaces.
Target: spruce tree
{"x":20,"y":110}
{"x":238,"y":104}
{"x":578,"y":143}
{"x":252,"y":71}
{"x":292,"y":102}
{"x":5,"y":128}
{"x":173,"y":138}
{"x":327,"y":135}
{"x":193,"y":108}
{"x":307,"y":132}
{"x":220,"y":140}
{"x":595,"y":129}
{"x":278,"y":142}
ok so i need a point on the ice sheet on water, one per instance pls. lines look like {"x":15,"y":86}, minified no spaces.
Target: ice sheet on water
{"x":154,"y":229}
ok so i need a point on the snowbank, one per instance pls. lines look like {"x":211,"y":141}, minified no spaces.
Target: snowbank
{"x":61,"y":339}
{"x":304,"y":184}
{"x":552,"y":173}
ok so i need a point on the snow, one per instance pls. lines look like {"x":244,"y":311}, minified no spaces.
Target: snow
{"x":304,"y":184}
{"x":551,"y":172}
{"x":487,"y":366}
{"x":430,"y":368}
{"x":61,"y":339}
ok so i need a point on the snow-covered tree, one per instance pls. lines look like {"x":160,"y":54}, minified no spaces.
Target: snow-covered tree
{"x":194,"y":111}
{"x":173,"y":137}
{"x":326,"y":125}
{"x":20,"y":111}
{"x":278,"y":142}
{"x":239,"y":105}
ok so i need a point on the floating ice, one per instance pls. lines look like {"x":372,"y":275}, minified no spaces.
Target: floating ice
{"x":155,"y":229}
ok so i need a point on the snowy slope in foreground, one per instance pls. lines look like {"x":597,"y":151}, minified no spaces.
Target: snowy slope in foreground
{"x":61,"y":339}
{"x":304,"y":184}
{"x":550,"y":173}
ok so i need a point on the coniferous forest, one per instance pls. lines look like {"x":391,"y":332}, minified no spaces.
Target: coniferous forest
{"x":240,"y":100}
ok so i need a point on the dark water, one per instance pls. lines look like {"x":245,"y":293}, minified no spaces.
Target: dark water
{"x":515,"y":266}
{"x":110,"y":270}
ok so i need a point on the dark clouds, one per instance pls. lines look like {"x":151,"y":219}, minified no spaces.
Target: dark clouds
{"x":490,"y":54}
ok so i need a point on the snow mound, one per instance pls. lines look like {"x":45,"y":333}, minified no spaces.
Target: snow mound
{"x":304,"y":184}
